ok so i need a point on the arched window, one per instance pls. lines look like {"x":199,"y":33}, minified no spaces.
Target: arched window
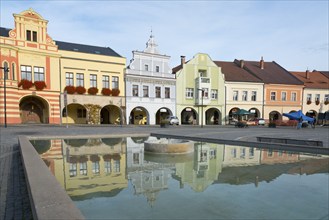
{"x":13,"y":71}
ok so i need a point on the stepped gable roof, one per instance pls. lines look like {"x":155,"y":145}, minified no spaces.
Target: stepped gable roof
{"x":271,"y":73}
{"x":235,"y":72}
{"x":4,"y":32}
{"x":314,"y":79}
{"x":86,"y":49}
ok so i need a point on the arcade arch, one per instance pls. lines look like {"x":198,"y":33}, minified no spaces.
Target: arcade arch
{"x":110,"y":114}
{"x":34,"y":109}
{"x":188,"y":116}
{"x":139,"y":116}
{"x":161,"y":114}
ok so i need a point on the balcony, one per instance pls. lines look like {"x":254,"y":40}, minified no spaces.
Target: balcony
{"x":202,"y":84}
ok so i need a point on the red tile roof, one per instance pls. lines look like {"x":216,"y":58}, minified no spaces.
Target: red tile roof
{"x":315,"y":79}
{"x":234,"y":72}
{"x":272,"y":73}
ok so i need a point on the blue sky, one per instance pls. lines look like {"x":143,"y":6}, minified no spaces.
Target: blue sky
{"x":291,"y":33}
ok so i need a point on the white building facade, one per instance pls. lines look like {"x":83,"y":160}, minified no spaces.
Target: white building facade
{"x":150,"y":87}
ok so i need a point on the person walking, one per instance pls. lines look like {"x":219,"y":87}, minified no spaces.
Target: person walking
{"x":300,"y":122}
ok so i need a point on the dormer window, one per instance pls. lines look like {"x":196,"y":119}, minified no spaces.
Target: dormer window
{"x":31,"y":36}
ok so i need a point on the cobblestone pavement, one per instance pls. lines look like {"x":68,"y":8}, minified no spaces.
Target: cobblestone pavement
{"x":14,"y":200}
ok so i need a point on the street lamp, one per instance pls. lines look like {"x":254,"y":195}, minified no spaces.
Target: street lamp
{"x":5,"y":71}
{"x":202,"y":93}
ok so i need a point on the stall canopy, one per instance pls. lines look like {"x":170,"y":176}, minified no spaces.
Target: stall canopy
{"x":297,"y":115}
{"x":241,"y":112}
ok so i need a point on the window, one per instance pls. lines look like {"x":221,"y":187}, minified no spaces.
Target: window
{"x":280,"y":153}
{"x":253,"y":96}
{"x":233,"y":152}
{"x":205,"y":93}
{"x":167,"y":93}
{"x":39,"y":74}
{"x":116,"y":166}
{"x":115,"y":82}
{"x":13,"y":70}
{"x":73,"y":169}
{"x":283,"y":96}
{"x":80,"y":79}
{"x":202,"y":73}
{"x":270,"y":153}
{"x":317,"y":97}
{"x":244,"y":95}
{"x":106,"y":82}
{"x":293,"y":96}
{"x":157,"y":69}
{"x":235,"y":95}
{"x":69,"y":79}
{"x":81,"y":113}
{"x":309,"y":97}
{"x":145,"y":91}
{"x":107,"y":166}
{"x":83,"y":168}
{"x":31,"y":36}
{"x":189,"y":93}
{"x":273,"y":96}
{"x":326,"y":97}
{"x":251,"y":152}
{"x":135,"y":90}
{"x":95,"y":167}
{"x":242,"y":152}
{"x":146,"y":67}
{"x":157,"y":92}
{"x":214,"y":94}
{"x":26,"y":72}
{"x":135,"y":158}
{"x":93,"y":80}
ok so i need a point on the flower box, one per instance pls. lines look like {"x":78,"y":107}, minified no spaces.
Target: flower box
{"x":40,"y":85}
{"x":326,"y":102}
{"x":317,"y":102}
{"x":80,"y":90}
{"x":69,"y":89}
{"x":115,"y":92}
{"x":25,"y":84}
{"x":308,"y":102}
{"x":92,"y":90}
{"x":106,"y":91}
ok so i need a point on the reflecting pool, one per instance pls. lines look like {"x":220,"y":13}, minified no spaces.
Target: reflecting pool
{"x":113,"y":178}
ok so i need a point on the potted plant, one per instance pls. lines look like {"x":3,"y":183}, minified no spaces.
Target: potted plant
{"x":92,"y":91}
{"x":308,"y":102}
{"x":115,"y":92}
{"x":25,"y":84}
{"x":106,"y":91}
{"x":317,"y":102}
{"x":40,"y":85}
{"x":80,"y":90}
{"x":70,"y":89}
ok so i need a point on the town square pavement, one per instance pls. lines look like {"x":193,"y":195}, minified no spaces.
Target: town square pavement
{"x":14,"y":200}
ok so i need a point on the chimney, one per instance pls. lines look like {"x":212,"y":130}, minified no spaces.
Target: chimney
{"x":261,"y":63}
{"x":241,"y":63}
{"x":182,"y":60}
{"x":307,"y":74}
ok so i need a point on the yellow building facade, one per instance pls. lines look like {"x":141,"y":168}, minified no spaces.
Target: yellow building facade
{"x":34,"y":90}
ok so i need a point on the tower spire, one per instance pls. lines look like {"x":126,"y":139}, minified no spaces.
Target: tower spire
{"x":151,"y":46}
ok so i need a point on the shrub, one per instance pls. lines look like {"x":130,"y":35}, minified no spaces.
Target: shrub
{"x":106,"y":91}
{"x":80,"y":90}
{"x":115,"y":92}
{"x":70,"y":89}
{"x":25,"y":84}
{"x":92,"y":90}
{"x":40,"y":85}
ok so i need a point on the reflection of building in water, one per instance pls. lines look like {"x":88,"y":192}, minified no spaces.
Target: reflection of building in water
{"x":204,"y":169}
{"x":240,"y":156}
{"x":148,"y":178}
{"x":270,"y":156}
{"x":91,"y":166}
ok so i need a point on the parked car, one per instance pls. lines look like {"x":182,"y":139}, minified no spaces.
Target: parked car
{"x":173,"y":120}
{"x":261,"y":121}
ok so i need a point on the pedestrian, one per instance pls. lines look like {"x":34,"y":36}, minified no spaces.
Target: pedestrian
{"x":300,"y":122}
{"x":314,"y":121}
